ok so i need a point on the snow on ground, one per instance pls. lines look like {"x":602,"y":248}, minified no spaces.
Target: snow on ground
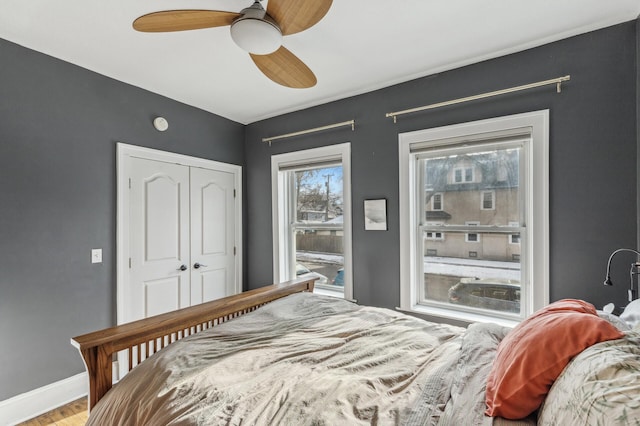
{"x":438,"y":265}
{"x":326,"y":258}
{"x":472,"y":268}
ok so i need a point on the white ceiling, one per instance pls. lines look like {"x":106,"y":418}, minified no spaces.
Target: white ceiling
{"x":358,"y":47}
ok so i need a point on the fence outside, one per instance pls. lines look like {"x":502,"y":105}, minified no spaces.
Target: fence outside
{"x":319,"y":243}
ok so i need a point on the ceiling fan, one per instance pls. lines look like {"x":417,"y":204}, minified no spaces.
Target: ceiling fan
{"x":255,"y":30}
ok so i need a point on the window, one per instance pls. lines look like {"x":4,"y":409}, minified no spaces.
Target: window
{"x":312,"y":217}
{"x":488,"y":200}
{"x":472,"y":237}
{"x":514,"y":238}
{"x":493,"y":268}
{"x":463,"y":175}
{"x":435,"y":236}
{"x":436,"y":202}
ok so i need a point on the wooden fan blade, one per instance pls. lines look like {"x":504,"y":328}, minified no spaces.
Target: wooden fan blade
{"x":294,"y":16}
{"x":285,"y":68}
{"x":181,"y":20}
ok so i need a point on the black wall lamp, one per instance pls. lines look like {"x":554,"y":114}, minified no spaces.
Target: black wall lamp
{"x":635,"y":268}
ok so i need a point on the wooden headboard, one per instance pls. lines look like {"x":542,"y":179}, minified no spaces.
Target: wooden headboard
{"x":144,"y":337}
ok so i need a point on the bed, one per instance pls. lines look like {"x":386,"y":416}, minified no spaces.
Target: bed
{"x":283,"y":355}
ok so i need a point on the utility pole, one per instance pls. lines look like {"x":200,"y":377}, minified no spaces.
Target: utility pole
{"x":326,"y":214}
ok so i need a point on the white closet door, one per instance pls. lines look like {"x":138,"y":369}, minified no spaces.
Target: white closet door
{"x":212,"y":235}
{"x":159,"y":238}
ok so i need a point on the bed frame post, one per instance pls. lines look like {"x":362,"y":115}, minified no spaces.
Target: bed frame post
{"x":101,"y":376}
{"x":99,"y":367}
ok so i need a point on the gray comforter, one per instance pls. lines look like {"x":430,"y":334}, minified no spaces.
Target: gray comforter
{"x":311,"y":360}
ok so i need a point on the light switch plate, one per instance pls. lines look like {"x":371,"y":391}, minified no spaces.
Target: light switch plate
{"x":96,"y":255}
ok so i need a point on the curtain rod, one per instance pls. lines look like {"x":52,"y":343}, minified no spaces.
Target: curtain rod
{"x":557,"y":81}
{"x":317,"y":129}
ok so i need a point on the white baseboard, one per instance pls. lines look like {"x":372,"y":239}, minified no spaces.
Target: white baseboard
{"x":39,"y":401}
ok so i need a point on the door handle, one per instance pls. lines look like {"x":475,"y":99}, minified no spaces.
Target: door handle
{"x":199,"y":265}
{"x":182,"y":268}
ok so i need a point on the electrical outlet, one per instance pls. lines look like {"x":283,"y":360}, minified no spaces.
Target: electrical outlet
{"x":96,"y":255}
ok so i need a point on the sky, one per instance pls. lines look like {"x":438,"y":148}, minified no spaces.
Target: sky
{"x":335,"y":180}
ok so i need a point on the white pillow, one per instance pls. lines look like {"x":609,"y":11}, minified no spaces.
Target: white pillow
{"x":615,"y":320}
{"x":631,"y":314}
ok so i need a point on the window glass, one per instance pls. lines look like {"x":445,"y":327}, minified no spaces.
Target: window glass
{"x":311,"y":211}
{"x":487,"y":200}
{"x":436,"y":202}
{"x":468,"y":174}
{"x":318,"y":230}
{"x":477,"y":265}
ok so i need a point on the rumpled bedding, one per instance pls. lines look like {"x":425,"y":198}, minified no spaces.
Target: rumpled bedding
{"x":311,"y":360}
{"x":461,"y":397}
{"x":601,"y":386}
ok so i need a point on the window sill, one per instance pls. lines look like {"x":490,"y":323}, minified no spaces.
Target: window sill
{"x":332,"y":293}
{"x":458,"y":318}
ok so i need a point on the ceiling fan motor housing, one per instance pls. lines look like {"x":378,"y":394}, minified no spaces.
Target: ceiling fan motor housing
{"x":255,"y":31}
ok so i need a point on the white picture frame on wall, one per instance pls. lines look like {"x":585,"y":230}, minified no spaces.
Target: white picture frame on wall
{"x":375,"y":215}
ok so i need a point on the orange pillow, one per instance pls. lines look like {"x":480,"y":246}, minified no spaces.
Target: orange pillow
{"x":534,"y":353}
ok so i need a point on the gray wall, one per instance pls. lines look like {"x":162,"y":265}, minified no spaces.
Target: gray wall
{"x":593,"y":143}
{"x":58,"y":128}
{"x":59,"y":124}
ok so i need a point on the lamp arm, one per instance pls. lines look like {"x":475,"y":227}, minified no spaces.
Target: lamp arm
{"x":607,"y":280}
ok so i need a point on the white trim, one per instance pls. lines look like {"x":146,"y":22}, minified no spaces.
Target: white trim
{"x":538,"y":197}
{"x":339,"y":152}
{"x":435,"y":314}
{"x":39,"y":401}
{"x":124,"y":153}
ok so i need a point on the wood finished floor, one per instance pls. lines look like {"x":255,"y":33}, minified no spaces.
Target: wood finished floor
{"x":72,"y":414}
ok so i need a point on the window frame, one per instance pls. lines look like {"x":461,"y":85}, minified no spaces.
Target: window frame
{"x":536,"y":246}
{"x":463,"y":175}
{"x":280,"y":202}
{"x":433,"y":204}
{"x":435,"y":237}
{"x":511,"y":240}
{"x":493,"y":200}
{"x":477,"y":234}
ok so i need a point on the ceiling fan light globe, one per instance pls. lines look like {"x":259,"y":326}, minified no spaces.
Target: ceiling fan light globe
{"x":256,"y":36}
